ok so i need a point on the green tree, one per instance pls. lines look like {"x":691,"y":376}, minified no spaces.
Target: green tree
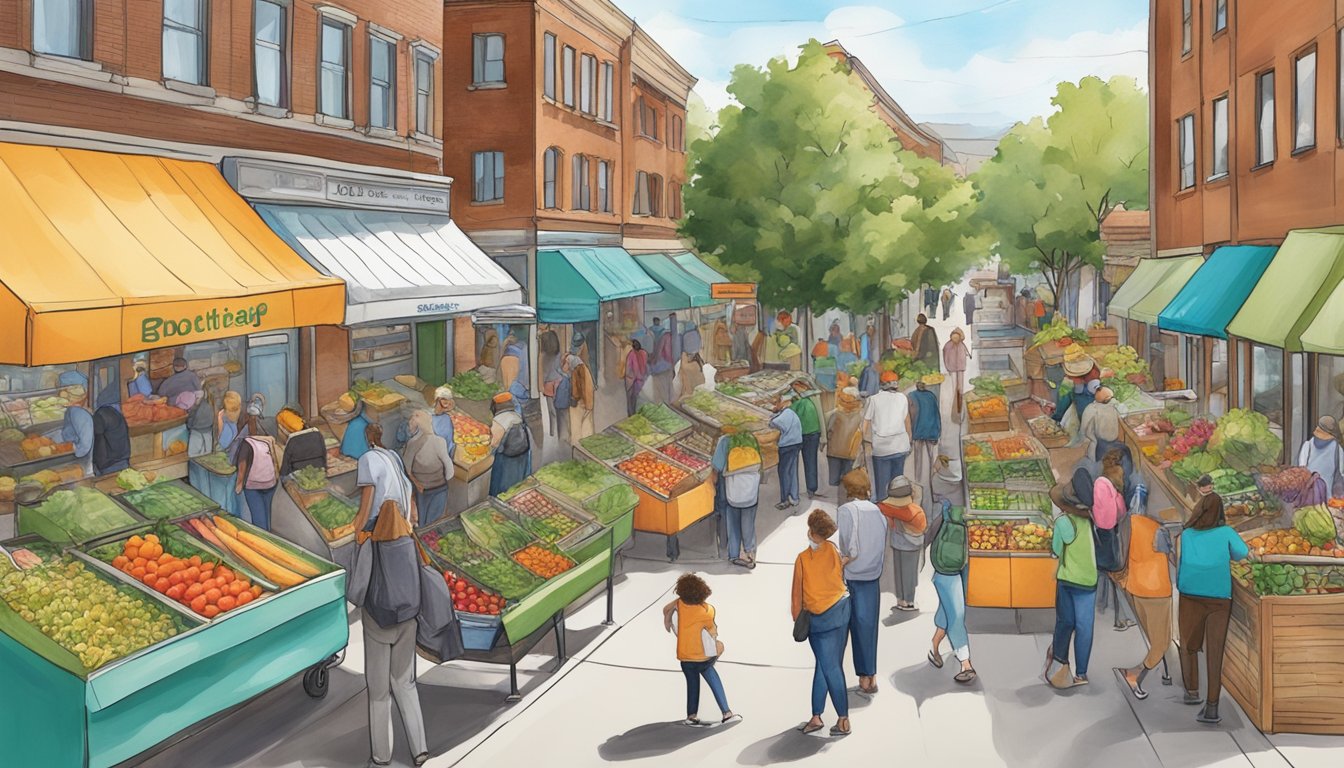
{"x":804,"y":190}
{"x":1052,"y":181}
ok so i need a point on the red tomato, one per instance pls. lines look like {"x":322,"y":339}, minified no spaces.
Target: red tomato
{"x":471,"y":590}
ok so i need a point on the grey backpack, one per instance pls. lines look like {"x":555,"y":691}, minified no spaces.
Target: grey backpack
{"x":393,"y":595}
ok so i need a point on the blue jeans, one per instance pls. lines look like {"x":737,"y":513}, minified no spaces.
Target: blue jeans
{"x":951,"y":615}
{"x":741,"y":529}
{"x":811,"y":448}
{"x":788,"y":472}
{"x":694,"y":670}
{"x":885,"y":469}
{"x":828,"y":636}
{"x":259,"y":505}
{"x":432,"y":503}
{"x":1074,"y":615}
{"x":864,"y":596}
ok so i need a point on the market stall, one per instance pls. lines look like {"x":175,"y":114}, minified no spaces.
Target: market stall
{"x":207,"y":612}
{"x":712,"y":411}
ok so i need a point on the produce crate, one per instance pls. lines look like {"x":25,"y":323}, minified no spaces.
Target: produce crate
{"x":1047,"y":437}
{"x":335,"y":538}
{"x":1016,"y":389}
{"x":304,"y":497}
{"x":980,"y":424}
{"x":581,"y":525}
{"x":1018,"y":446}
{"x":992,"y":502}
{"x":687,"y":483}
{"x":168,"y":500}
{"x":1103,"y":337}
{"x":668,"y":516}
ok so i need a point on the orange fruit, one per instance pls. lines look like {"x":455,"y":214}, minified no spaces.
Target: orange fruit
{"x":134,"y":541}
{"x":198,"y":603}
{"x":227,"y":602}
{"x":149,"y":579}
{"x":161,"y":585}
{"x":211,"y":611}
{"x":195,"y":560}
{"x":194,"y":591}
{"x":212,"y":596}
{"x":138,"y":562}
{"x":256,"y":591}
{"x":244,"y":598}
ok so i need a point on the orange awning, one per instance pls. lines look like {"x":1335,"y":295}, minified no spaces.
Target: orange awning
{"x":106,"y":254}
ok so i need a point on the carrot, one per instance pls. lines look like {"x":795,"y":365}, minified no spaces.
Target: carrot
{"x":275,"y":573}
{"x":276,"y":554}
{"x":226,"y":526}
{"x":204,"y":531}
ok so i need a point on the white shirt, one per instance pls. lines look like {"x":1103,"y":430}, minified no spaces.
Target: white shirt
{"x":382,"y":469}
{"x":887,"y":411}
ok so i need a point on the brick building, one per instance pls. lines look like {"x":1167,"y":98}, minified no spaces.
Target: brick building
{"x":912,"y":136}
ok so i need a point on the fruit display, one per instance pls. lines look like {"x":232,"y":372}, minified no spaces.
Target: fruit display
{"x":270,"y":560}
{"x":988,"y":534}
{"x":699,"y":442}
{"x":1031,"y":537}
{"x":720,"y":411}
{"x":206,"y":586}
{"x":470,"y":385}
{"x":977,"y":451}
{"x":84,"y":612}
{"x":34,"y":447}
{"x":543,"y":562}
{"x":653,"y":473}
{"x":1284,"y":579}
{"x":984,"y":473}
{"x":579,"y":480}
{"x":1028,"y":472}
{"x":608,"y":447}
{"x":510,"y":579}
{"x":217,"y":462}
{"x":334,"y":514}
{"x":684,"y":457}
{"x":1288,"y":541}
{"x":541,"y":517}
{"x":1193,"y":436}
{"x":471,"y":437}
{"x":467,"y":598}
{"x":140,"y":410}
{"x":75,"y":515}
{"x":995,"y":500}
{"x":491,"y":529}
{"x":165,"y":501}
{"x":1016,"y":447}
{"x":664,"y":418}
{"x":1008,"y":535}
{"x":310,"y":479}
{"x":1045,"y":428}
{"x":642,"y":431}
{"x":993,"y":407}
{"x":609,"y":505}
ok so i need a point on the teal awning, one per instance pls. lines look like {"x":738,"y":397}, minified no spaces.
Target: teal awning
{"x":1211,"y":298}
{"x":571,"y":282}
{"x":681,"y":289}
{"x":692,"y":264}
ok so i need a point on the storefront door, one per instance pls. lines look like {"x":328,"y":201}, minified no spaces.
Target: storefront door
{"x":272,"y":370}
{"x":431,"y":352}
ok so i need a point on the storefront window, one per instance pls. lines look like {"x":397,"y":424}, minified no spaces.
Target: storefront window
{"x":1298,"y":382}
{"x":1267,"y":383}
{"x":1164,"y":357}
{"x":1194,"y":362}
{"x":1218,"y":394}
{"x":379,"y":352}
{"x":1330,"y":386}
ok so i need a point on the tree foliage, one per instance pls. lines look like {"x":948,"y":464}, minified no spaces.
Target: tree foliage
{"x":804,"y":190}
{"x":1053,"y":180}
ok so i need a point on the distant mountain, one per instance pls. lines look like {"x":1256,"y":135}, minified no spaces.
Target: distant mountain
{"x":973,"y":144}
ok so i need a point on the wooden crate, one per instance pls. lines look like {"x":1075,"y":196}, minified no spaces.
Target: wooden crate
{"x":1284,"y":662}
{"x":1103,"y":337}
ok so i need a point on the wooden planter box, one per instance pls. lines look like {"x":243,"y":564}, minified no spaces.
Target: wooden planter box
{"x":1284,"y":662}
{"x":1103,"y":337}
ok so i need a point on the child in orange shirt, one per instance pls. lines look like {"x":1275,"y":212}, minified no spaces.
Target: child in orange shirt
{"x":698,"y":645}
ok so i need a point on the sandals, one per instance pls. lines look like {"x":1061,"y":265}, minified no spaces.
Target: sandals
{"x":733,"y":718}
{"x":421,"y":758}
{"x":694,"y":722}
{"x":810,"y":727}
{"x":965,"y":676}
{"x":742,"y":563}
{"x":936,"y":659}
{"x":837,"y":731}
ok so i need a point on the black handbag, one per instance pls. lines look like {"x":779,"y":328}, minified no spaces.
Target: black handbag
{"x":802,"y":626}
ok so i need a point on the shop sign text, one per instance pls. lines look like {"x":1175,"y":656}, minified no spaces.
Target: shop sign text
{"x":356,"y":193}
{"x":212,"y":321}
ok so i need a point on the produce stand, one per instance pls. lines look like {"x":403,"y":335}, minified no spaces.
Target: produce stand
{"x":214,"y":476}
{"x":1010,"y":564}
{"x":712,"y":411}
{"x":303,"y":517}
{"x":59,"y":712}
{"x":987,"y":414}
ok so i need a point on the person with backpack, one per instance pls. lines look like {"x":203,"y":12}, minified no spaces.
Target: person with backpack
{"x":698,"y":645}
{"x":111,"y":441}
{"x":511,"y":443}
{"x":385,"y":521}
{"x":430,"y":467}
{"x":1148,"y":582}
{"x":200,"y":424}
{"x":906,"y":538}
{"x":1075,"y":581}
{"x":863,"y":533}
{"x":1110,"y":520}
{"x":844,"y":434}
{"x":949,"y":554}
{"x":258,"y":466}
{"x":821,"y":607}
{"x":736,"y":496}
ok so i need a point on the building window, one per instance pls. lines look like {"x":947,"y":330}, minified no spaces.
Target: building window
{"x":640,"y":205}
{"x":587,"y":84}
{"x":184,"y":41}
{"x":567,"y":75}
{"x":674,"y":199}
{"x":655,"y":195}
{"x":549,"y":185}
{"x":581,"y":189}
{"x":424,"y":92}
{"x":1304,"y":101}
{"x":608,"y":91}
{"x":489,"y":177}
{"x":382,"y":82}
{"x":648,"y":119}
{"x":63,"y":28}
{"x":487,"y":59}
{"x":270,"y":83}
{"x":548,"y":66}
{"x":1219,"y":16}
{"x":1219,"y":160}
{"x":333,"y":91}
{"x":1264,"y":118}
{"x":1187,"y":25}
{"x":604,"y":186}
{"x":677,"y":137}
{"x":1186,"y":128}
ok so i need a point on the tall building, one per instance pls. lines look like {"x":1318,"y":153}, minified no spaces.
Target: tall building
{"x":1246,"y":136}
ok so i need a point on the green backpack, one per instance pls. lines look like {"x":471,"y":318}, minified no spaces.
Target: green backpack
{"x":951,"y":547}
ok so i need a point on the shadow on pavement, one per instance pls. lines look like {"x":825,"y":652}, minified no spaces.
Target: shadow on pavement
{"x":656,"y":739}
{"x":924,"y":681}
{"x":787,"y":747}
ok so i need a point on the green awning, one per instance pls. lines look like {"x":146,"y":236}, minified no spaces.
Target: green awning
{"x":1211,"y":298}
{"x":1147,"y":309}
{"x":692,"y":264}
{"x":1299,"y":284}
{"x":571,"y":282}
{"x":681,"y":289}
{"x":1148,"y":274}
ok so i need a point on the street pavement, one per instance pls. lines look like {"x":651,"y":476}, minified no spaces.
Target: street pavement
{"x":621,"y":695}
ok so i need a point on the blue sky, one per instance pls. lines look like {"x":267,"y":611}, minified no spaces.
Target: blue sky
{"x":983,"y":61}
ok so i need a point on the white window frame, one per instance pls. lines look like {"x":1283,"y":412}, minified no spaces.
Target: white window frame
{"x":568,"y":62}
{"x":1266,"y":138}
{"x":1219,"y":158}
{"x":608,"y":97}
{"x":201,"y":33}
{"x":1185,"y":152}
{"x":487,"y":188}
{"x":1304,"y":101}
{"x":604,"y":186}
{"x":482,"y":63}
{"x":327,"y":18}
{"x":390,"y":85}
{"x":424,"y":119}
{"x":548,"y":54}
{"x":550,"y":180}
{"x":281,"y":48}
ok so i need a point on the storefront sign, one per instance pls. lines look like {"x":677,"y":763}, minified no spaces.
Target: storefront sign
{"x":441,"y":308}
{"x":271,"y":181}
{"x":733,"y":291}
{"x":360,"y":194}
{"x":186,"y":322}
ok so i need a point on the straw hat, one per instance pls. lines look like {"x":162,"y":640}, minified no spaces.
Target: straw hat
{"x":1076,"y":361}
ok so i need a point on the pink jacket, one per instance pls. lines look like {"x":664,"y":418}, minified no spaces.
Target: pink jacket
{"x":955,"y":354}
{"x":1108,"y":505}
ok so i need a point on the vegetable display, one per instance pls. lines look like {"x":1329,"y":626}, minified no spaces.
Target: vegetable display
{"x":334,"y":514}
{"x":78,"y":515}
{"x":468,"y":599}
{"x":1125,"y":364}
{"x":217,"y":462}
{"x":984,"y":473}
{"x":684,"y":457}
{"x":579,"y":480}
{"x":541,"y":517}
{"x":311,"y":479}
{"x":131,"y":479}
{"x":977,"y":451}
{"x":1229,"y":481}
{"x":470,"y":385}
{"x":996,"y":500}
{"x":608,"y":447}
{"x":650,"y":471}
{"x":1316,"y":525}
{"x":1058,"y":328}
{"x":642,"y":430}
{"x":609,"y":505}
{"x":1046,"y":428}
{"x":1030,"y":471}
{"x":484,"y":567}
{"x":543,"y":562}
{"x":165,"y":501}
{"x":1196,"y":463}
{"x":1244,"y":441}
{"x":714,"y":408}
{"x":1194,"y":436}
{"x":987,"y":385}
{"x":1285,"y":579}
{"x":699,"y":442}
{"x":271,"y":561}
{"x":493,"y":530}
{"x":207,"y":586}
{"x":664,"y":418}
{"x":84,"y":612}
